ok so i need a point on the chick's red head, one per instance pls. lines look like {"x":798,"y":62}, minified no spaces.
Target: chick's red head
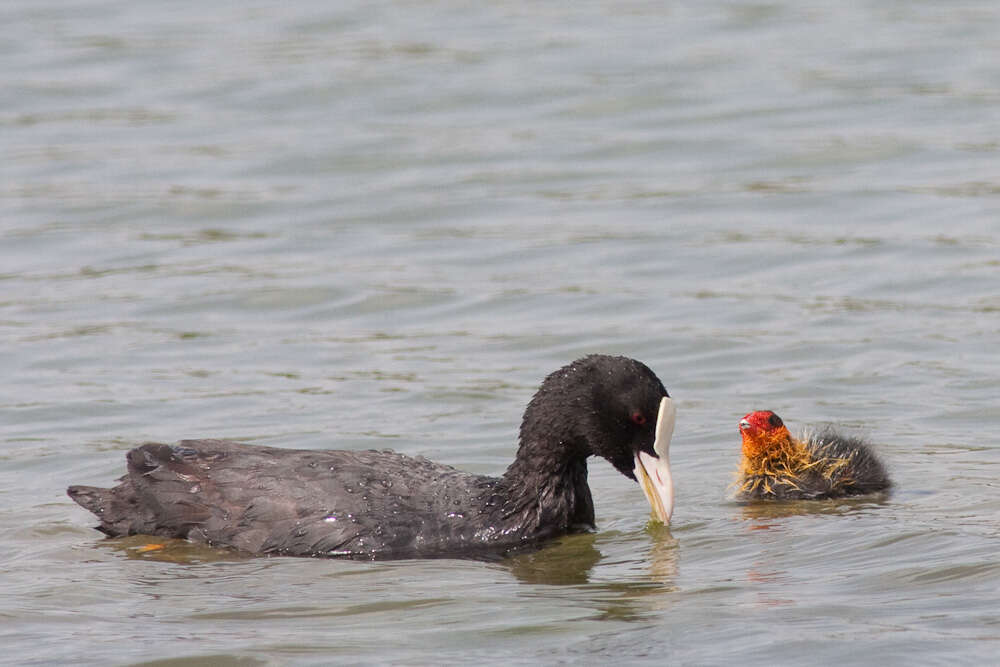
{"x":762,"y":432}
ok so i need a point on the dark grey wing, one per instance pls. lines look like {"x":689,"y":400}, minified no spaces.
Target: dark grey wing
{"x":296,"y":502}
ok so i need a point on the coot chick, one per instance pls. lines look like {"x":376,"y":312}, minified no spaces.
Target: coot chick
{"x":383,"y":505}
{"x":824,"y":464}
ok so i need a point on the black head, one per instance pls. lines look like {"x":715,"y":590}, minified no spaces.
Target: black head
{"x":599,"y":405}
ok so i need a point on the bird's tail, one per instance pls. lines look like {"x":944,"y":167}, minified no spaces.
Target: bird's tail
{"x":108,"y":506}
{"x":92,"y":498}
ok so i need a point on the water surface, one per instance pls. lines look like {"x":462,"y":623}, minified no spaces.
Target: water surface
{"x":381,"y":224}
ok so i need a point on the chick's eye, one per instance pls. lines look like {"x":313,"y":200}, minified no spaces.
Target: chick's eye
{"x":638,"y":418}
{"x":775,"y":421}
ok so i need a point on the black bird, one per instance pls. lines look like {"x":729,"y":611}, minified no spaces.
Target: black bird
{"x":383,"y":505}
{"x":824,"y":464}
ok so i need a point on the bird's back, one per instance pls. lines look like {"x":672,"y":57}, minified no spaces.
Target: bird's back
{"x":861,"y":472}
{"x":297,"y":502}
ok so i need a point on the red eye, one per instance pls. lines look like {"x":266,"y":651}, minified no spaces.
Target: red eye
{"x":638,"y":418}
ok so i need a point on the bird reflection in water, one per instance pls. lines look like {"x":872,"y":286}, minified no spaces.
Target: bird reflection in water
{"x":764,"y":514}
{"x":170,"y":550}
{"x":774,"y":517}
{"x":576,"y":561}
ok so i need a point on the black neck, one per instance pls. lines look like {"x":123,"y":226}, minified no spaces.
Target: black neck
{"x":544,"y":493}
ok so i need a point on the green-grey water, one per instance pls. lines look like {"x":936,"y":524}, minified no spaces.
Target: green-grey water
{"x":380,"y":224}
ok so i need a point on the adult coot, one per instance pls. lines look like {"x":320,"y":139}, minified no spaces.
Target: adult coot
{"x":824,"y":464}
{"x":380,"y":504}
